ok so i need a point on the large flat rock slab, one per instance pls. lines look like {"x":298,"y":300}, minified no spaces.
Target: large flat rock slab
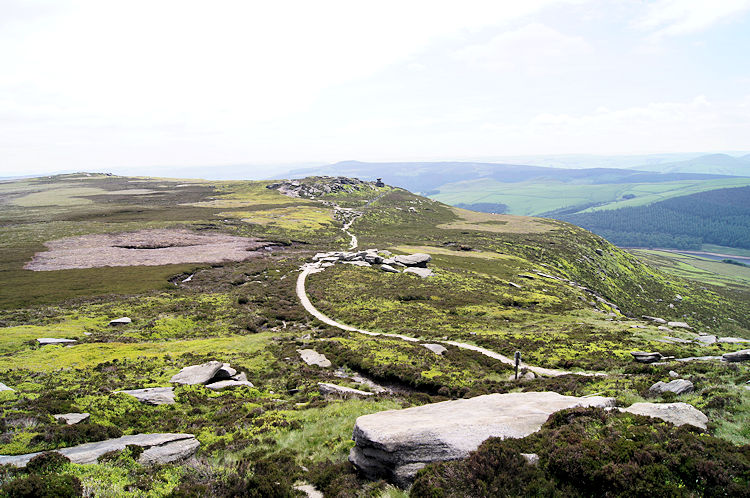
{"x":152,"y":395}
{"x":197,"y":374}
{"x":675,"y":413}
{"x":395,"y":444}
{"x":160,"y":448}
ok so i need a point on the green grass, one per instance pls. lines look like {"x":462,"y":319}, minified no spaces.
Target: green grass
{"x":696,"y":268}
{"x":536,"y":197}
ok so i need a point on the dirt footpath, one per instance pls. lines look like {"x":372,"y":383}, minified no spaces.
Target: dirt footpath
{"x":144,"y":248}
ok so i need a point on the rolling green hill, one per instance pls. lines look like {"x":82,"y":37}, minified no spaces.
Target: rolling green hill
{"x":212,"y":271}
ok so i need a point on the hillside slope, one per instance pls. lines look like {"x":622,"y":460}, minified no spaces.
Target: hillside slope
{"x":210,"y":271}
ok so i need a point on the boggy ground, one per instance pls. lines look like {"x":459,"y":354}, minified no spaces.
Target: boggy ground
{"x":259,"y":441}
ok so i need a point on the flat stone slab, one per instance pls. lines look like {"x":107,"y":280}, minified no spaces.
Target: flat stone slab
{"x":655,"y":319}
{"x":47,"y":341}
{"x":677,"y":386}
{"x":3,"y":387}
{"x":395,"y":444}
{"x":226,"y":384}
{"x":152,"y":395}
{"x":418,"y":259}
{"x":197,"y":374}
{"x":422,"y":272}
{"x":436,"y":348}
{"x":679,"y":325}
{"x":326,"y":388}
{"x":706,"y":339}
{"x":743,"y":355}
{"x":72,"y":418}
{"x":388,"y":268}
{"x":312,"y":357}
{"x":160,"y":448}
{"x":120,"y":321}
{"x":676,"y":413}
{"x":644,"y":357}
{"x":732,"y":340}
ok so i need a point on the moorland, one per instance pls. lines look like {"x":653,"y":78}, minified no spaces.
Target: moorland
{"x":79,"y":251}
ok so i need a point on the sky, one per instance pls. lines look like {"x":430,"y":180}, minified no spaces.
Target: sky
{"x":150,"y":85}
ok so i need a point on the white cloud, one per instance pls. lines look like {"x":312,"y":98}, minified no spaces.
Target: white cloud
{"x":681,"y":17}
{"x":535,"y":47}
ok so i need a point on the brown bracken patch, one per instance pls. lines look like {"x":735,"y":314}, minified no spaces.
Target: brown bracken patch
{"x":144,"y":248}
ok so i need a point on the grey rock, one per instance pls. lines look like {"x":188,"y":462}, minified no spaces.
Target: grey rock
{"x":676,"y":413}
{"x":637,"y":326}
{"x":706,"y":339}
{"x":732,"y":340}
{"x":120,"y":321}
{"x":388,"y":268}
{"x":644,"y":357}
{"x":677,"y":386}
{"x":663,"y":328}
{"x":225,"y":372}
{"x":225,"y":384}
{"x":436,"y":348}
{"x":47,"y":341}
{"x":514,"y":285}
{"x":531,"y":458}
{"x":673,"y":374}
{"x":395,"y":444}
{"x":655,"y":319}
{"x":197,"y":374}
{"x":152,"y":395}
{"x":312,"y":357}
{"x":418,"y":259}
{"x":676,"y":340}
{"x":742,"y":355}
{"x":164,"y":448}
{"x":373,"y":259}
{"x":309,"y":490}
{"x":679,"y":325}
{"x":3,"y":387}
{"x":422,"y":272}
{"x":327,"y":389}
{"x":356,"y":263}
{"x":678,"y":297}
{"x":72,"y":418}
{"x":242,"y":377}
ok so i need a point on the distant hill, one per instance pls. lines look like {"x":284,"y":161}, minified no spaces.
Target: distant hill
{"x":425,"y":177}
{"x":720,"y":217}
{"x":720,"y":164}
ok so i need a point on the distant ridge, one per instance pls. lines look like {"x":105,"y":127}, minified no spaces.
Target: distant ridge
{"x":719,"y":164}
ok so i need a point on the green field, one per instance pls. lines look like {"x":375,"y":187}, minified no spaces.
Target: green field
{"x":697,"y":268}
{"x":538,"y":196}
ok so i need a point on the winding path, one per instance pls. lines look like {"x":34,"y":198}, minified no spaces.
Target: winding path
{"x":309,"y":268}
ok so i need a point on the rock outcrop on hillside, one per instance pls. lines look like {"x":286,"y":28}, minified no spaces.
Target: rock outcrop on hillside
{"x":395,"y":444}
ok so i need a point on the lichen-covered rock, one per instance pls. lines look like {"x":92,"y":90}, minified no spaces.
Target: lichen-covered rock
{"x":226,"y":384}
{"x":418,"y":259}
{"x":72,"y":418}
{"x":120,"y":321}
{"x":152,"y":395}
{"x":436,"y":348}
{"x":326,"y":388}
{"x":422,"y":272}
{"x":675,"y":413}
{"x":395,"y":444}
{"x":312,"y":357}
{"x":197,"y":374}
{"x":677,"y":386}
{"x":742,"y":355}
{"x":644,"y":357}
{"x":160,"y":448}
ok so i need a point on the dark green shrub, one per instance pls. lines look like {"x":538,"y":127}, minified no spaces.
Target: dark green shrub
{"x":47,"y":486}
{"x":47,"y":462}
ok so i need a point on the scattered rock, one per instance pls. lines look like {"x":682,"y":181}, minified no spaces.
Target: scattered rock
{"x":678,"y":297}
{"x":599,"y":252}
{"x":326,"y":389}
{"x":356,"y":263}
{"x":436,"y":348}
{"x":526,"y":276}
{"x":309,"y":490}
{"x":654,"y":319}
{"x":422,"y":272}
{"x":531,"y":458}
{"x":419,"y":260}
{"x":241,"y":377}
{"x":388,"y":268}
{"x":312,"y":357}
{"x":514,"y":285}
{"x":225,"y":372}
{"x":676,"y":413}
{"x":637,"y":326}
{"x":644,"y":357}
{"x":743,"y":355}
{"x":706,"y":339}
{"x":225,"y":384}
{"x":152,"y":395}
{"x":678,"y":386}
{"x":159,"y":448}
{"x":679,"y":325}
{"x":47,"y":341}
{"x":197,"y":374}
{"x":120,"y":321}
{"x":72,"y":418}
{"x":663,"y":328}
{"x":732,"y":340}
{"x":3,"y":387}
{"x":676,"y":340}
{"x":673,"y":374}
{"x":396,"y":443}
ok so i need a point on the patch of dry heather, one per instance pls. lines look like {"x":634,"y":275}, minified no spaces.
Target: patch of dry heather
{"x":144,"y":247}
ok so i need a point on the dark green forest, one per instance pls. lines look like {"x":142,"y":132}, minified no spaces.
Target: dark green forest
{"x":719,"y":217}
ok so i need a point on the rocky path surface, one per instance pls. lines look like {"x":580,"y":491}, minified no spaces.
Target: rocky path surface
{"x":309,"y":268}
